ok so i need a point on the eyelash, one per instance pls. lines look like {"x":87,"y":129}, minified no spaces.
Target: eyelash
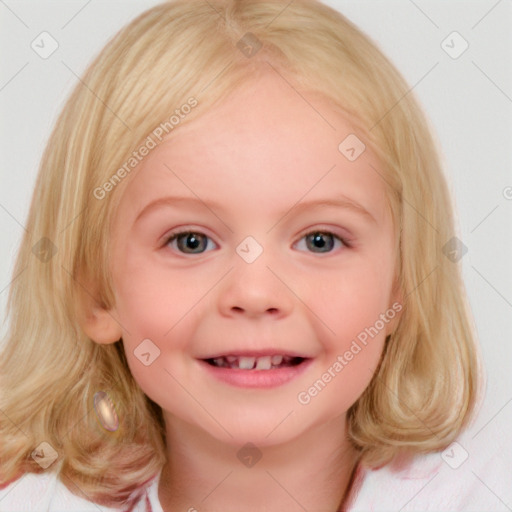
{"x":175,"y":235}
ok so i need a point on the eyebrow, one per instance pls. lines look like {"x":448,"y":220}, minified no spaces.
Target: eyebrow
{"x":340,"y":202}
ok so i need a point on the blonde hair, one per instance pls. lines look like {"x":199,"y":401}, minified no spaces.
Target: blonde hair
{"x":424,"y":390}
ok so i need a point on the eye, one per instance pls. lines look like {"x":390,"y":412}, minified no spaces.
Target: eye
{"x":189,"y":242}
{"x":320,"y":241}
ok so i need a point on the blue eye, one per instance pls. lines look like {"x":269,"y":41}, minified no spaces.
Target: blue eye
{"x":189,"y":242}
{"x":322,"y":241}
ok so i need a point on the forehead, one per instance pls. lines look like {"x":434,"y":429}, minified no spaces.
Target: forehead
{"x":265,"y":140}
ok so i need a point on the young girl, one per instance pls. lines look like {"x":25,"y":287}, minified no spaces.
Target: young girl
{"x":237,"y":288}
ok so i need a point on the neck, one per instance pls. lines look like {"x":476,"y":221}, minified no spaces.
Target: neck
{"x":312,"y":472}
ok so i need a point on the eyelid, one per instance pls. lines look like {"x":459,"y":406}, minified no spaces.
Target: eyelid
{"x":340,"y":233}
{"x":185,"y":229}
{"x":345,"y":239}
{"x":342,"y":245}
{"x":182,"y":230}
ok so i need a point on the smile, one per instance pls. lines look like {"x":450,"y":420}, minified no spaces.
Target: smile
{"x":255,"y":370}
{"x":255,"y":363}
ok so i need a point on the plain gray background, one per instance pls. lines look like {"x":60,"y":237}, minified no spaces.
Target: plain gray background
{"x":468,"y":100}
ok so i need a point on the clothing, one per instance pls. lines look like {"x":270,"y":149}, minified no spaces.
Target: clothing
{"x":44,"y":492}
{"x":481,"y":482}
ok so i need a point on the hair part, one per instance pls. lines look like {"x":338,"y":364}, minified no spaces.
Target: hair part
{"x":424,"y":391}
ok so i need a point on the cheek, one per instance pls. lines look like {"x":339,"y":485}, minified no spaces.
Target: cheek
{"x":157,"y":311}
{"x":352,"y":347}
{"x":354,"y":301}
{"x":151,"y":301}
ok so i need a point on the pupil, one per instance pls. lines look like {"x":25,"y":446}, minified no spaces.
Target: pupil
{"x":318,"y":241}
{"x":193,"y":241}
{"x":190,"y":242}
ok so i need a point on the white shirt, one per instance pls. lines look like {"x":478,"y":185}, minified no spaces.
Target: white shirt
{"x":459,"y":479}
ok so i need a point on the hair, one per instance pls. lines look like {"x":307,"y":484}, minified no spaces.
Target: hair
{"x":424,"y":390}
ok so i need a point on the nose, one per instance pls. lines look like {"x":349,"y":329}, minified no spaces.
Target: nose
{"x":255,"y":290}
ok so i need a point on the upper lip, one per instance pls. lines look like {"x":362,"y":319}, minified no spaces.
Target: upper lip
{"x":256,"y":353}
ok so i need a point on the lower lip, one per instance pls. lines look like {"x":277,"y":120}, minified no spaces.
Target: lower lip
{"x":256,"y":378}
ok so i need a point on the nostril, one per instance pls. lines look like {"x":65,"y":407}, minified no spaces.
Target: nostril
{"x":238,"y":309}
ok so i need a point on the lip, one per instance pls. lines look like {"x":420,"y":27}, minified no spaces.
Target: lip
{"x":263,"y":379}
{"x":255,"y":353}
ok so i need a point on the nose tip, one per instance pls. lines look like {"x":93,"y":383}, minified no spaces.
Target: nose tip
{"x":252,"y":291}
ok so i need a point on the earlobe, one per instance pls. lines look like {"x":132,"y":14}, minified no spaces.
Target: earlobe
{"x":97,"y":321}
{"x":100,"y":326}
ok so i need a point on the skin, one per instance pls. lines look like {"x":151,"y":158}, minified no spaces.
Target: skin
{"x":255,"y":155}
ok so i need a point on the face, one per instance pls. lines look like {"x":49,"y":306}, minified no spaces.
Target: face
{"x":253,"y":268}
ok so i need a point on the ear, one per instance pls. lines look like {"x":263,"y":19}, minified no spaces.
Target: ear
{"x":97,"y":321}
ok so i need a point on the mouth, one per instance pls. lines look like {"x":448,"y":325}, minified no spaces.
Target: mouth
{"x":267,"y":362}
{"x":256,"y":370}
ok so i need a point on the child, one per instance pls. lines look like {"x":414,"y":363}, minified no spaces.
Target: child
{"x":312,"y":332}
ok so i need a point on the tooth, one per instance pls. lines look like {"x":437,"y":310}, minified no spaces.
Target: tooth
{"x":231,"y":359}
{"x":264,"y":363}
{"x":246,"y":363}
{"x":277,"y":360}
{"x":219,"y":361}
